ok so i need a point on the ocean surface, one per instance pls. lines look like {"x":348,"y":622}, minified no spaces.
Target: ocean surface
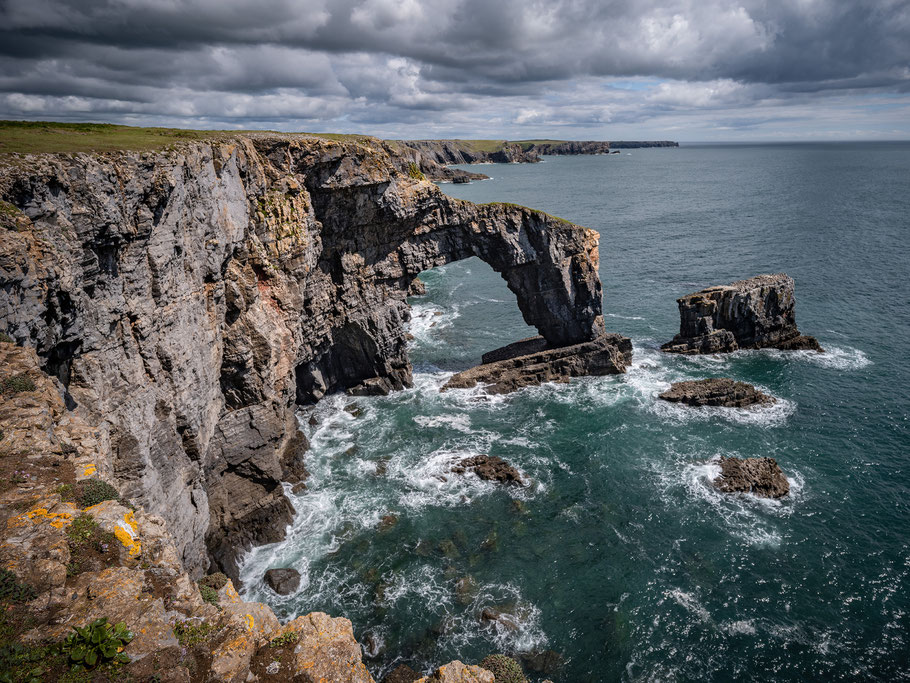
{"x":620,"y":562}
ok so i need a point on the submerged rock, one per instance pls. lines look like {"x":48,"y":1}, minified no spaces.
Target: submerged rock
{"x":721,"y":391}
{"x":760,"y":476}
{"x":533,"y":361}
{"x":283,"y":581}
{"x":490,"y":468}
{"x":749,"y":314}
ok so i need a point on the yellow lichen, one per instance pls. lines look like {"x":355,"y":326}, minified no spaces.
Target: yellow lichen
{"x":89,"y":470}
{"x":249,"y":621}
{"x":58,"y":520}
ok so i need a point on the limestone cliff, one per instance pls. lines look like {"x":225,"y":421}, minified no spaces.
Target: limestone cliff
{"x":187,"y":298}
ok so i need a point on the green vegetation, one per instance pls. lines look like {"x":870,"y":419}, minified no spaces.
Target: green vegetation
{"x":190,"y":633}
{"x":84,"y":535}
{"x":20,"y":663}
{"x":415,"y":172}
{"x":504,"y":669}
{"x":97,"y":643}
{"x":11,"y":590}
{"x":17,"y":384}
{"x":527,"y":208}
{"x":288,"y":638}
{"x":216,"y":580}
{"x":32,"y":137}
{"x":95,"y":491}
{"x":4,"y":337}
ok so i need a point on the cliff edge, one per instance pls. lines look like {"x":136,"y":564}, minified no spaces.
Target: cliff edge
{"x":187,"y":298}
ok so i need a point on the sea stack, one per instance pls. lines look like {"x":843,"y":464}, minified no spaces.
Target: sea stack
{"x":749,"y":314}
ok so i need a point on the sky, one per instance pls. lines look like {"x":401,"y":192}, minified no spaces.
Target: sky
{"x":686,"y":70}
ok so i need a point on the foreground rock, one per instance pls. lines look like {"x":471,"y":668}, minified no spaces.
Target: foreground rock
{"x":187,"y":298}
{"x":456,"y":672}
{"x":81,"y":559}
{"x":533,"y":361}
{"x":759,"y":476}
{"x":750,"y":314}
{"x":283,"y":581}
{"x":722,"y":392}
{"x":490,"y":468}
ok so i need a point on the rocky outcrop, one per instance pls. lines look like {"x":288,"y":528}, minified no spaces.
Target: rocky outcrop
{"x":456,"y":672}
{"x":490,"y":468}
{"x":722,"y":392}
{"x":759,"y":476}
{"x":47,"y":535}
{"x":750,"y":314}
{"x":186,"y":298}
{"x":533,"y":361}
{"x":283,"y":581}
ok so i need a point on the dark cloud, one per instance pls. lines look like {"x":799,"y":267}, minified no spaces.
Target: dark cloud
{"x":445,"y":63}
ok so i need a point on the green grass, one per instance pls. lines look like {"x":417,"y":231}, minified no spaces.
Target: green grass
{"x":40,"y":137}
{"x":32,"y":137}
{"x":528,"y":208}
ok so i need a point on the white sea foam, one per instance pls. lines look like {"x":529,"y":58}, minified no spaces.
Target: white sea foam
{"x":460,"y":422}
{"x":428,"y":318}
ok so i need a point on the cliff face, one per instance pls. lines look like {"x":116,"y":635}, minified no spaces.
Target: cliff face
{"x":187,"y":298}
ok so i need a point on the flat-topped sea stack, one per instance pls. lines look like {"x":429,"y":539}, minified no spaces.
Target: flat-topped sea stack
{"x":722,"y":391}
{"x":533,"y":361}
{"x":749,"y":314}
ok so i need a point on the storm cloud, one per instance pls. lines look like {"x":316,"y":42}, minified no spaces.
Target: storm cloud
{"x":683,"y":69}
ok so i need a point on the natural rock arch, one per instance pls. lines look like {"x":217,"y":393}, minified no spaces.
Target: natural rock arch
{"x":206,"y":285}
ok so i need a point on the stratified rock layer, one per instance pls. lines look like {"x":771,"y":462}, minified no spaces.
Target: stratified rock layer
{"x":533,"y":361}
{"x":722,"y":392}
{"x":759,"y":476}
{"x":750,"y":314}
{"x":186,"y":298}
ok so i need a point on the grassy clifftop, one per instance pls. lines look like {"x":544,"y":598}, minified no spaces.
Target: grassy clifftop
{"x":36,"y":137}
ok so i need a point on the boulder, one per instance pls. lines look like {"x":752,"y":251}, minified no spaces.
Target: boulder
{"x":490,"y":468}
{"x":283,"y":581}
{"x":533,"y":361}
{"x":760,"y":476}
{"x":456,"y":672}
{"x":721,"y":391}
{"x":749,"y":314}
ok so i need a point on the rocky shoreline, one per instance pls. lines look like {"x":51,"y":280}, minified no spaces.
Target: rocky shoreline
{"x":164,"y":315}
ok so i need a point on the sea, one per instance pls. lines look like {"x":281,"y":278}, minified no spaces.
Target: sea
{"x":619,"y":561}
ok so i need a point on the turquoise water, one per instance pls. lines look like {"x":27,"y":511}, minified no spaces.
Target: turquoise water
{"x":619,"y":556}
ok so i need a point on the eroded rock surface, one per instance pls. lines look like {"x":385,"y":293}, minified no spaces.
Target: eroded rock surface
{"x":456,"y":672}
{"x":187,"y":298}
{"x":533,"y":361}
{"x":759,"y":476}
{"x":721,"y":391}
{"x":749,"y":314}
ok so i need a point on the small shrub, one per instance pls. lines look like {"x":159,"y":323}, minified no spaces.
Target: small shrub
{"x":284,"y":639}
{"x":81,"y":529}
{"x":209,"y":595}
{"x":97,"y":643}
{"x":17,"y":384}
{"x":85,"y":534}
{"x":4,"y":337}
{"x":415,"y":172}
{"x":11,"y":590}
{"x":504,"y":669}
{"x":189,"y":633}
{"x":95,"y":491}
{"x":216,"y":580}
